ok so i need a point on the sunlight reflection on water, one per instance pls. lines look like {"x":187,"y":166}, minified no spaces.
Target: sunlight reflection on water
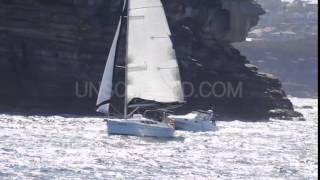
{"x":60,"y":147}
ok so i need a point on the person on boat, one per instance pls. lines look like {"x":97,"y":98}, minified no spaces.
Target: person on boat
{"x":210,"y":112}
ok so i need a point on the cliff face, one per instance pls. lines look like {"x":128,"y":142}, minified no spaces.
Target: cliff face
{"x":47,"y":47}
{"x":52,"y":53}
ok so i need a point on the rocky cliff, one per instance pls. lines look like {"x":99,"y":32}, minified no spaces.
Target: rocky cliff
{"x":293,"y":61}
{"x":285,"y":43}
{"x":53,"y":52}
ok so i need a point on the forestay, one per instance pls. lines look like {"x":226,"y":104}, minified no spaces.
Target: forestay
{"x":153,"y":72}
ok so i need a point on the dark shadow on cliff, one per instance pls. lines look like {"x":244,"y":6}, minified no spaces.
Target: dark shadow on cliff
{"x":48,"y":50}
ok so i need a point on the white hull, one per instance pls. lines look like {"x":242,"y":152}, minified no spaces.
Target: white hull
{"x":139,"y":127}
{"x":195,"y":125}
{"x":195,"y":121}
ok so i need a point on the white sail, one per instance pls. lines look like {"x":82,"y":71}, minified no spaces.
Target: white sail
{"x":105,"y":91}
{"x":153,"y":72}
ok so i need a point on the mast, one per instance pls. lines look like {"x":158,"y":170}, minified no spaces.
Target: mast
{"x":125,"y":108}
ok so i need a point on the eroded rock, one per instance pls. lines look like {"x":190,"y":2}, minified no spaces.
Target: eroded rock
{"x":53,"y":53}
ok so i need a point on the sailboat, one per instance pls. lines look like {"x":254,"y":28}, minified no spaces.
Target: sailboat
{"x":151,"y":71}
{"x":196,"y":121}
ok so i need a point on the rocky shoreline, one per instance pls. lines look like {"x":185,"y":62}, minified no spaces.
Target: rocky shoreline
{"x":49,"y":48}
{"x":285,"y":43}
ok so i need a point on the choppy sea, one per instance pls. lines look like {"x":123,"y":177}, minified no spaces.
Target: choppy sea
{"x":64,"y":147}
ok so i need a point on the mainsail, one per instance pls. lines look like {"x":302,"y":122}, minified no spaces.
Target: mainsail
{"x":152,"y":68}
{"x":105,"y":92}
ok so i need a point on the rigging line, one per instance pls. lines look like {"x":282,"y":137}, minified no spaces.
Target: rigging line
{"x":124,"y":5}
{"x":159,"y":37}
{"x":146,"y":7}
{"x":103,"y":103}
{"x":115,"y":109}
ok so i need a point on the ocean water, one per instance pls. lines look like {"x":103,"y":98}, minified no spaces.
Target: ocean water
{"x":56,"y":147}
